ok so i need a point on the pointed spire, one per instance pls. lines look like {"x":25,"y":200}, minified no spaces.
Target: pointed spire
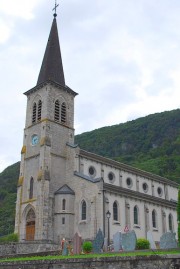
{"x":52,"y":67}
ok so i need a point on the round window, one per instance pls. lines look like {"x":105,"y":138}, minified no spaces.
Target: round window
{"x":129,"y":182}
{"x":111,"y":176}
{"x":145,"y":187}
{"x":92,"y":171}
{"x":160,"y":191}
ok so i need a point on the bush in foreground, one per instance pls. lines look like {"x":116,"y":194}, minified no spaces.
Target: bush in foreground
{"x":9,"y":238}
{"x":87,"y":247}
{"x":142,"y":243}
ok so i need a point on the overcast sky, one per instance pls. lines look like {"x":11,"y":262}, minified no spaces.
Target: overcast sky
{"x":121,"y":56}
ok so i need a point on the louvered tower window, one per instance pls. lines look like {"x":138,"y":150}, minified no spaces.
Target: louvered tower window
{"x":56,"y":111}
{"x":34,"y":113}
{"x":63,"y":113}
{"x":39,"y":110}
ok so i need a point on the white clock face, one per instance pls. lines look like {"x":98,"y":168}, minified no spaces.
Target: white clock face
{"x":34,"y":140}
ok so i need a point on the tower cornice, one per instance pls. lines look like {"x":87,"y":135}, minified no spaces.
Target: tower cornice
{"x":51,"y":83}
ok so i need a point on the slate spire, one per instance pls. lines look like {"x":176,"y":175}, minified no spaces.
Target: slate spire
{"x":52,"y":67}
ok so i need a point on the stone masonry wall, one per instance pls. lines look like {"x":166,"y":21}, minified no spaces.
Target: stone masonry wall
{"x":24,"y":248}
{"x":148,"y":262}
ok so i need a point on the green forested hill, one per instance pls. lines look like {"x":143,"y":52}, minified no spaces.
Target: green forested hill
{"x":8,"y":187}
{"x":150,"y":143}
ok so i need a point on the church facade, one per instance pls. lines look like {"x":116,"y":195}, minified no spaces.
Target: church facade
{"x":63,"y":189}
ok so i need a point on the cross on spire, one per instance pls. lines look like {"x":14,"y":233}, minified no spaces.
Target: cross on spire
{"x":55,"y":14}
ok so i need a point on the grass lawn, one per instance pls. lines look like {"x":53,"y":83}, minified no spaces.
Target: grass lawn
{"x":83,"y":256}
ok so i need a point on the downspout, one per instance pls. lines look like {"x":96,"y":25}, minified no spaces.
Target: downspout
{"x":103,"y":191}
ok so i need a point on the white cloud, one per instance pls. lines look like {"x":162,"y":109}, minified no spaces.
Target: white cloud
{"x":5,"y":31}
{"x":19,"y":8}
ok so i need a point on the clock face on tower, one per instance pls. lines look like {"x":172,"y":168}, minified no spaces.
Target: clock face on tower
{"x":34,"y":140}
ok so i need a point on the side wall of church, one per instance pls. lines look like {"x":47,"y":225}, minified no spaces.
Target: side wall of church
{"x":132,"y":190}
{"x":145,"y":223}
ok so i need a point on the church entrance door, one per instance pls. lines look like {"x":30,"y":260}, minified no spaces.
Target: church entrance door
{"x":30,"y":225}
{"x":30,"y":230}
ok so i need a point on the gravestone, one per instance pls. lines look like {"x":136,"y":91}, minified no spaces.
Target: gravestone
{"x":129,"y":241}
{"x":65,"y":251}
{"x":105,"y":248}
{"x":168,"y":240}
{"x":117,"y":241}
{"x":98,"y":242}
{"x":151,"y":240}
{"x":77,"y":242}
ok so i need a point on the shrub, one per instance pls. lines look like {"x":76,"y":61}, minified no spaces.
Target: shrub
{"x":9,"y":238}
{"x":87,"y":246}
{"x":142,"y":243}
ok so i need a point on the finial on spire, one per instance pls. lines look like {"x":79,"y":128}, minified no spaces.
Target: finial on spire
{"x":55,"y":14}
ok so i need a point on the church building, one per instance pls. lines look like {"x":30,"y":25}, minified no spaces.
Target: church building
{"x":63,"y":189}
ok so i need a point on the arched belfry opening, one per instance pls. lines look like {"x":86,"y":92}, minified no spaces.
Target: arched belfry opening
{"x":30,"y":225}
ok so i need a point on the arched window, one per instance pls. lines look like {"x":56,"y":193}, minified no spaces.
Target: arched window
{"x":31,"y":188}
{"x":115,"y":211}
{"x":63,"y":113}
{"x":34,"y":113}
{"x":39,"y":110}
{"x":136,"y":217}
{"x":154,"y":219}
{"x":64,"y":204}
{"x":170,"y":219}
{"x":83,"y":210}
{"x":56,"y":111}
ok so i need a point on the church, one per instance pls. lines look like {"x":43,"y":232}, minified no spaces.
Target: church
{"x":63,"y":189}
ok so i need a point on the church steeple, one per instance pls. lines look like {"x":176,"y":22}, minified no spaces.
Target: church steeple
{"x":52,"y":67}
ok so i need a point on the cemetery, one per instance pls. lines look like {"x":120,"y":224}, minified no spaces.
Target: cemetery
{"x":98,"y":254}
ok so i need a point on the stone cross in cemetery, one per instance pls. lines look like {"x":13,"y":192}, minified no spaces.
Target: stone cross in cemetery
{"x":65,"y":251}
{"x":129,"y":241}
{"x":117,"y":241}
{"x":98,"y":242}
{"x":105,"y":247}
{"x":168,"y":240}
{"x":151,"y":240}
{"x":77,"y":242}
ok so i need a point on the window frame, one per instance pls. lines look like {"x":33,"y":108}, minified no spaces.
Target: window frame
{"x":92,"y":175}
{"x":154,"y":219}
{"x":34,"y":113}
{"x":130,"y":183}
{"x":63,"y":204}
{"x":57,"y":110}
{"x":39,"y":110}
{"x":170,"y":222}
{"x":115,"y":211}
{"x":63,"y":113}
{"x":31,"y":188}
{"x":136,"y":215}
{"x":83,"y":210}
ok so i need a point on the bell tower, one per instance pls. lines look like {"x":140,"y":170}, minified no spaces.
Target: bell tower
{"x":45,"y":161}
